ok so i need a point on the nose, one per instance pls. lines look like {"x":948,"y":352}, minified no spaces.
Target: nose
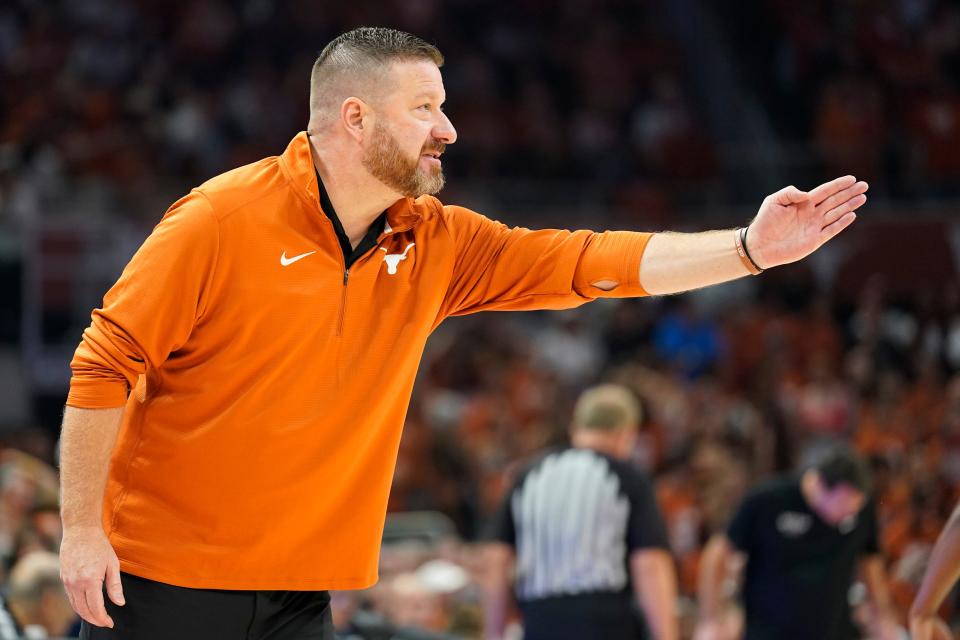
{"x":444,"y":130}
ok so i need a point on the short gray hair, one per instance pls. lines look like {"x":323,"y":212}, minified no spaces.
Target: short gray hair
{"x":362,"y":53}
{"x":606,"y":407}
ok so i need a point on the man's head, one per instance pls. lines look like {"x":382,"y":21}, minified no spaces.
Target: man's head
{"x":380,"y":91}
{"x":837,"y":487}
{"x":36,"y":596}
{"x":606,"y":418}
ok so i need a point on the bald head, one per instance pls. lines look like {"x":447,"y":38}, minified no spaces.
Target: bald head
{"x":357,"y":64}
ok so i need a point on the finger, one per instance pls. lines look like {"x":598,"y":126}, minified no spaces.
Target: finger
{"x":789,"y":195}
{"x":832,"y":230}
{"x":73,"y":603}
{"x":114,"y":586}
{"x":840,"y":197}
{"x":79,"y":603}
{"x":827,"y":189}
{"x":848,"y":206}
{"x":94,"y":597}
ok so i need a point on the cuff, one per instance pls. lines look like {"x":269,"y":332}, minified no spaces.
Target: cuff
{"x":97,"y":393}
{"x":616,"y":256}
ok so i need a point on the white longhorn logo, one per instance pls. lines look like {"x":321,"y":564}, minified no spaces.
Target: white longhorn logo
{"x":393,"y":259}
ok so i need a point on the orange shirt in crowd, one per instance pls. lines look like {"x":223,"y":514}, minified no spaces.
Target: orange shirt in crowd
{"x":270,"y":384}
{"x":879,"y":434}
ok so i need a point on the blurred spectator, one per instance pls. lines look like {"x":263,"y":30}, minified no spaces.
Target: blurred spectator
{"x":28,"y":497}
{"x":424,"y":593}
{"x":686,"y":339}
{"x":36,"y":597}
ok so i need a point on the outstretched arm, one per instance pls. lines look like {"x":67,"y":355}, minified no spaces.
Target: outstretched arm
{"x":496,"y":268}
{"x":942,"y":573}
{"x":790,"y":225}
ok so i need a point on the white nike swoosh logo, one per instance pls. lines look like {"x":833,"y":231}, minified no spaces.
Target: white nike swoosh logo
{"x":285,"y":261}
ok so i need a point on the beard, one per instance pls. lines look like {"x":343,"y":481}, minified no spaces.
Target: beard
{"x":386,"y":162}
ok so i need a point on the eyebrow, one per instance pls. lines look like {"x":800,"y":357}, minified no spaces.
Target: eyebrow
{"x":425,"y":94}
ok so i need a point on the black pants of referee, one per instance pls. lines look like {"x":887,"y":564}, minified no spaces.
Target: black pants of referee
{"x":155,"y":611}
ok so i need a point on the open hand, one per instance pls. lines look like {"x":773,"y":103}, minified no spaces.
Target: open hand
{"x":792,"y":224}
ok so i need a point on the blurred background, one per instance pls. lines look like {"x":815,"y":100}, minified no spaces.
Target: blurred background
{"x":621,"y":114}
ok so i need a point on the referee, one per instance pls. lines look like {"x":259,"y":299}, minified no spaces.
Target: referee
{"x":579,"y":538}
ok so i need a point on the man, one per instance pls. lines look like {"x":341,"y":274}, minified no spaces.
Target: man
{"x":36,"y":599}
{"x":943,"y":571}
{"x":799,"y":542}
{"x":236,"y":405}
{"x":578,"y":529}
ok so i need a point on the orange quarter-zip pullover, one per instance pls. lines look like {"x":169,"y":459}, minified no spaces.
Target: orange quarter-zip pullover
{"x":270,"y":384}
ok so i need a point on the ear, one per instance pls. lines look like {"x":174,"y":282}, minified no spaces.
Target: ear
{"x":817,"y":482}
{"x":355,"y":115}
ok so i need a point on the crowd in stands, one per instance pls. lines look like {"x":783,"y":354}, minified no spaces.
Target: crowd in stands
{"x":874,"y":85}
{"x":116,"y":93}
{"x":123,"y":97}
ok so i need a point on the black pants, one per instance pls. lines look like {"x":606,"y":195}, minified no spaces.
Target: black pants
{"x":155,"y":611}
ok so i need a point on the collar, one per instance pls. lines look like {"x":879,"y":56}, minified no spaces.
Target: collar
{"x":297,"y":163}
{"x":369,"y":240}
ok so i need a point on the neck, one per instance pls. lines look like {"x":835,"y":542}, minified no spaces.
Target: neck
{"x":357,"y":196}
{"x":601,"y":442}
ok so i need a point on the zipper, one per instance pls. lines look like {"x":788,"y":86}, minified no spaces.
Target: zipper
{"x":346,"y":270}
{"x":343,"y":302}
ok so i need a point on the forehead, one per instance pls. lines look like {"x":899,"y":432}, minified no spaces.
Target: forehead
{"x":415,"y":77}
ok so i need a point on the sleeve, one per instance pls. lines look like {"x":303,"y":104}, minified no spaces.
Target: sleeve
{"x":646,"y":528}
{"x":516,"y":269}
{"x":501,"y":527}
{"x":151,"y":310}
{"x":871,"y":544}
{"x":741,"y":526}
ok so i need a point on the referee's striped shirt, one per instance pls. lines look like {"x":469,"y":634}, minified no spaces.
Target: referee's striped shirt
{"x":573,"y":518}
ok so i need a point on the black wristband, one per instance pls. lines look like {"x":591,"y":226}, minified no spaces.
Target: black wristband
{"x":743,"y":241}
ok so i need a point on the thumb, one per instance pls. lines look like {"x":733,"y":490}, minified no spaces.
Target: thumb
{"x":114,"y":588}
{"x":790,"y":195}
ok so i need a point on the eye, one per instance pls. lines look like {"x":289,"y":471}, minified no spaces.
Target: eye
{"x":425,"y":107}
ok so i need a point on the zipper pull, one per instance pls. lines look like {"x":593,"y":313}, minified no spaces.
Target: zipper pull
{"x":346,"y":274}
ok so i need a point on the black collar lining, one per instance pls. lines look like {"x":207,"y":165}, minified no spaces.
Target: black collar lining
{"x":350,"y":255}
